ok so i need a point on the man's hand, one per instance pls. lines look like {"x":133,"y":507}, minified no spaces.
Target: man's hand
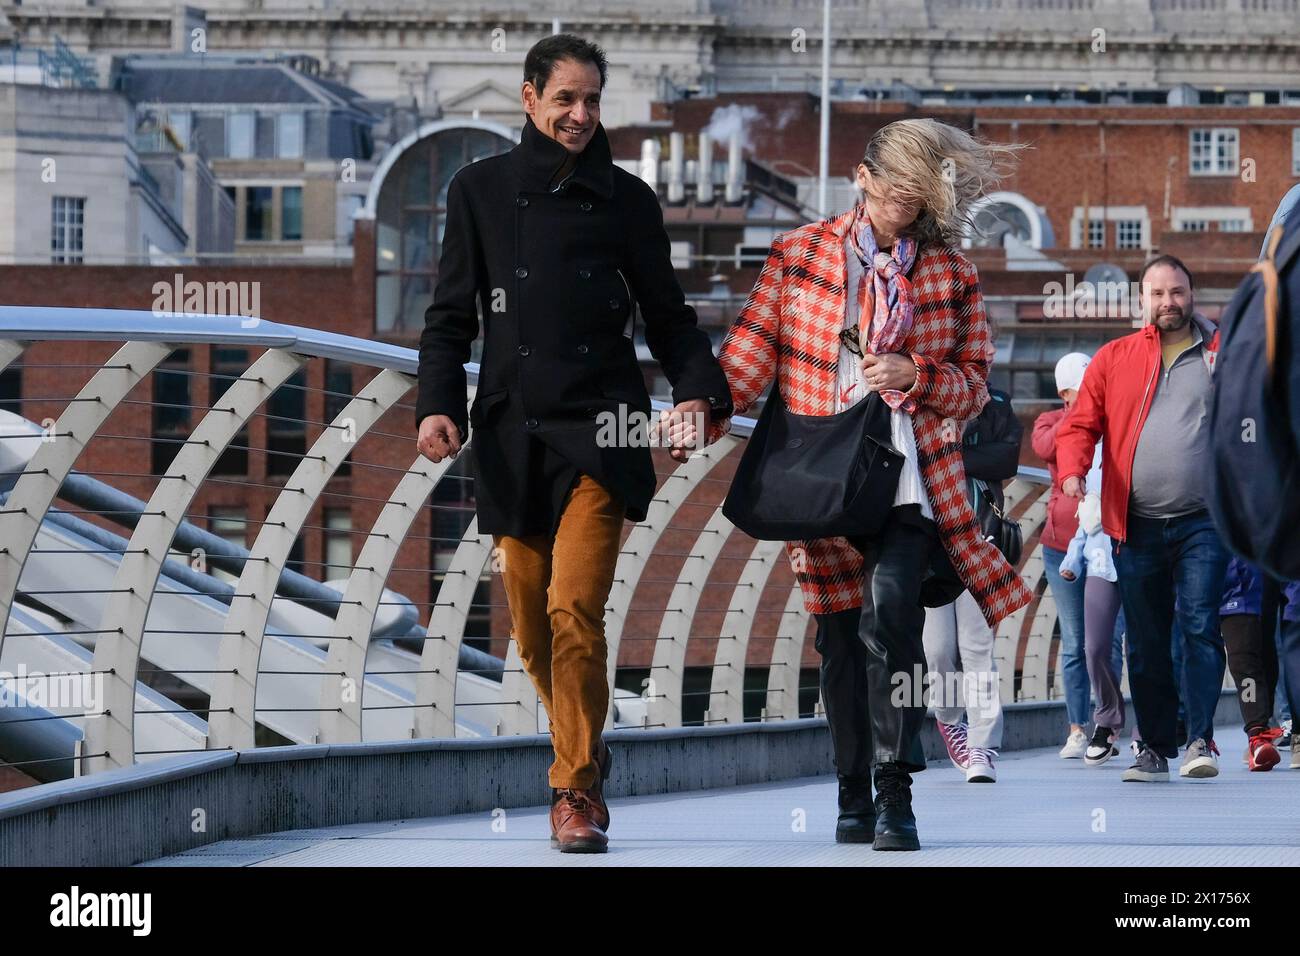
{"x":685,"y":427}
{"x":439,"y":438}
{"x":889,"y":371}
{"x":1073,"y":487}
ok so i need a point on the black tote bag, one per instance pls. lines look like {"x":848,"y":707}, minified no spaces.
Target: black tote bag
{"x":816,"y":476}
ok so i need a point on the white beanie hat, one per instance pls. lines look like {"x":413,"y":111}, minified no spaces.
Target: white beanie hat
{"x":1070,"y":369}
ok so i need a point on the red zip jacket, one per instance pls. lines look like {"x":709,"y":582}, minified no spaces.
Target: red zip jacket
{"x":1112,"y":407}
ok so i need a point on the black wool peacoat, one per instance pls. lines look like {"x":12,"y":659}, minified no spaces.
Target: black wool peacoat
{"x":555,"y":270}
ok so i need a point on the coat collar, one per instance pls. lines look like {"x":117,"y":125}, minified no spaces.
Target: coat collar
{"x":1209,"y":343}
{"x":537,"y":157}
{"x":839,"y":225}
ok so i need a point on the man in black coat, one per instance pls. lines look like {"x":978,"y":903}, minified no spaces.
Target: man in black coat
{"x":558,"y":246}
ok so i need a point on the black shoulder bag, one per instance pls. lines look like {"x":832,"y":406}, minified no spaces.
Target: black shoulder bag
{"x":816,"y":476}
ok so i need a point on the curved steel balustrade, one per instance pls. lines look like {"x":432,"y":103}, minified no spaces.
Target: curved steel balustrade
{"x":287,"y":659}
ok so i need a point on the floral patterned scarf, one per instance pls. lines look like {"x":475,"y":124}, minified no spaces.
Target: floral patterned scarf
{"x":885,"y":318}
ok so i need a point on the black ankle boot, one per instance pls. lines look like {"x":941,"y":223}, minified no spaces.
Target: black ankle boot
{"x":857,"y":820}
{"x":895,"y":822}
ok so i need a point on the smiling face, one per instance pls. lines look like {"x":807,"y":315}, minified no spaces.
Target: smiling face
{"x":567,"y":108}
{"x":1166,"y":297}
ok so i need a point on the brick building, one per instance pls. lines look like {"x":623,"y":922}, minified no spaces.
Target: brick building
{"x":1175,"y":171}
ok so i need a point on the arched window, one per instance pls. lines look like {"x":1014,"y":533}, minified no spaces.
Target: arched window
{"x":1003,"y":214}
{"x":410,"y":215}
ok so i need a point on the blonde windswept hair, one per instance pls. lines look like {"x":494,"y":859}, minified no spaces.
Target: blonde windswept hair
{"x":942,"y":168}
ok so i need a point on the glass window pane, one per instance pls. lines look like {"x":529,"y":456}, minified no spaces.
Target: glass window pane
{"x":210,"y":134}
{"x":265,"y":136}
{"x":240,"y":130}
{"x":317,"y":135}
{"x":415,"y":177}
{"x":386,"y":291}
{"x":417,"y":295}
{"x":291,"y":212}
{"x":290,"y":141}
{"x":417,"y":241}
{"x":257,"y":212}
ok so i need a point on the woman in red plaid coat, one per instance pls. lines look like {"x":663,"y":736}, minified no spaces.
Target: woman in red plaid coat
{"x":878,"y":299}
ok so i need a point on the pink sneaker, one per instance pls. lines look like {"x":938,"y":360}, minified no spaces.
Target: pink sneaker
{"x":954,"y":738}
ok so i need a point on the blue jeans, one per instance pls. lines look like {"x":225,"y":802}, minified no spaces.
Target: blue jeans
{"x":1162,"y":554}
{"x":1071,"y":664}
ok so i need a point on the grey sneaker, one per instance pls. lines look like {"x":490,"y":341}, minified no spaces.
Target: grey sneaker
{"x":1148,"y":767}
{"x":1200,"y":760}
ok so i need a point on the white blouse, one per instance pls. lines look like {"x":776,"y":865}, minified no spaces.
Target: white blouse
{"x":851,"y":388}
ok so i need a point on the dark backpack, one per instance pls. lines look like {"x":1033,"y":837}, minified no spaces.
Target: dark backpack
{"x":1255,"y":420}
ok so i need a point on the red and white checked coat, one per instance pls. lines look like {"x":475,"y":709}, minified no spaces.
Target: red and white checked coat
{"x":789,"y":328}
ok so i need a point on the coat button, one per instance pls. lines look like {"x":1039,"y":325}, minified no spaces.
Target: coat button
{"x":531,"y":423}
{"x":585,"y":206}
{"x":521,"y":202}
{"x":584,"y":273}
{"x":582,"y":350}
{"x":524,"y":350}
{"x":614,"y":304}
{"x":521,"y":273}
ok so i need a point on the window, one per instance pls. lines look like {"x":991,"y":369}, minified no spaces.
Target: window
{"x":265,"y":146}
{"x":338,"y":392}
{"x":1196,"y":225}
{"x":1232,"y":225}
{"x":317,"y":135}
{"x":240,"y":132}
{"x":1295,"y":152}
{"x":179,"y":121}
{"x":230,"y":523}
{"x":286,"y":430}
{"x":338,"y":543}
{"x":1128,"y":234}
{"x":289,"y":140}
{"x":171,"y":408}
{"x":67,"y":228}
{"x":257,"y":212}
{"x":210,"y":134}
{"x":291,"y":212}
{"x":227,"y":366}
{"x":1096,"y":233}
{"x":11,"y":390}
{"x":1214,"y":152}
{"x":410,"y":219}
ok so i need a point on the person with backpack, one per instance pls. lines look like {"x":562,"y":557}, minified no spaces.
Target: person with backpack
{"x":958,"y":641}
{"x":1255,"y":428}
{"x":1146,"y":397}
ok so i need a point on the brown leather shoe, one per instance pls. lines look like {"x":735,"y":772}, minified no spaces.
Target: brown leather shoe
{"x":573,"y":829}
{"x":603,"y":763}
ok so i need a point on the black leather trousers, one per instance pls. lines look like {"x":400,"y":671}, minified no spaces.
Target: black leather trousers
{"x":889,"y":629}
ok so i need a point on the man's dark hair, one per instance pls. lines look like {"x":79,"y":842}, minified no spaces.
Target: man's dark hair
{"x":541,"y":59}
{"x":1166,"y":261}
